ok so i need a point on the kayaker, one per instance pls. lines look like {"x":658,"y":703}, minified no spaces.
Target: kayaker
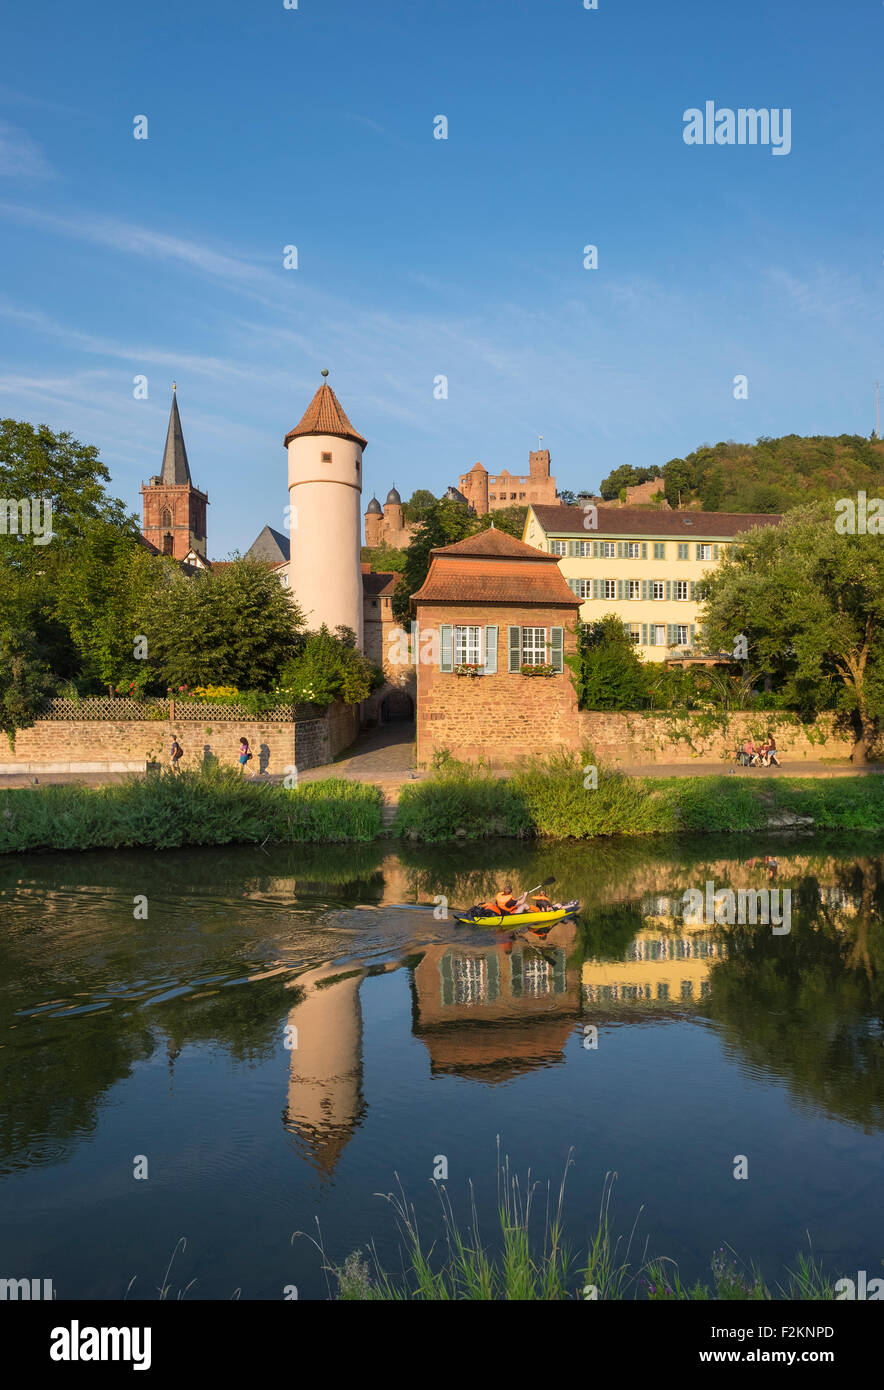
{"x":542,"y":903}
{"x":504,"y":903}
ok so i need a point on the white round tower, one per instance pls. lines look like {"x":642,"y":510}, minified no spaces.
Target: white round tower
{"x":325,"y":518}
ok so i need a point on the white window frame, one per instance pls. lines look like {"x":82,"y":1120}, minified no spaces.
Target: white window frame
{"x":609,"y":584}
{"x":682,"y":584}
{"x":468,"y":650}
{"x":660,"y":635}
{"x":704,"y":546}
{"x":584,"y":547}
{"x":535,"y":646}
{"x":634,"y":588}
{"x":658,"y":584}
{"x":609,"y":550}
{"x":584,"y":588}
{"x":682,"y":628}
{"x":558,"y":547}
{"x":634,"y":633}
{"x":633,"y":550}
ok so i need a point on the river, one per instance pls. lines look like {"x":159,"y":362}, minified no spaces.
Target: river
{"x":232,"y":1046}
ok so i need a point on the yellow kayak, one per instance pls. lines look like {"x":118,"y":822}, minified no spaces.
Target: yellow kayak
{"x":512,"y":920}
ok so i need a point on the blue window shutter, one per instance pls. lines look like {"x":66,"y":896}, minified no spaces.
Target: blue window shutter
{"x":644,"y":634}
{"x":669,"y":588}
{"x":557,"y":647}
{"x":446,"y":647}
{"x":715,"y":552}
{"x":515,"y":645}
{"x":490,"y":651}
{"x":644,"y":550}
{"x":619,"y":588}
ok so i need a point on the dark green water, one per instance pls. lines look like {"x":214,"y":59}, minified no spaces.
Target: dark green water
{"x":166,"y":1038}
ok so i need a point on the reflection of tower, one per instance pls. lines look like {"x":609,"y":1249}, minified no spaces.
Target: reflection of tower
{"x":325,"y":486}
{"x":325,"y":1102}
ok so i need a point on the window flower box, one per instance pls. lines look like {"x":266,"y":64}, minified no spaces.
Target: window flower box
{"x":468,"y":668}
{"x":543,"y":669}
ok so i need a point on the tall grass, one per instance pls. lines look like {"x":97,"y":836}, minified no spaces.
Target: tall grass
{"x":168,"y":810}
{"x":556,"y":798}
{"x":531,"y":1261}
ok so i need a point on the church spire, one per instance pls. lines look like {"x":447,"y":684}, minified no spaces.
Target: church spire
{"x":175,"y":466}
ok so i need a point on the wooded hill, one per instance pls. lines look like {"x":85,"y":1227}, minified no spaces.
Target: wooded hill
{"x":771,"y":475}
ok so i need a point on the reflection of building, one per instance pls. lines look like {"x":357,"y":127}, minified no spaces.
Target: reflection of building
{"x":487,"y":1013}
{"x":325,"y":1103}
{"x":658,"y":972}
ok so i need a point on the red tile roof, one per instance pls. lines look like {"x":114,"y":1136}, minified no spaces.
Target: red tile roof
{"x":640,"y":521}
{"x":325,"y":415}
{"x":495,"y":568}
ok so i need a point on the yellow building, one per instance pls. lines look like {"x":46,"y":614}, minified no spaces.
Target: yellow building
{"x":641,"y":564}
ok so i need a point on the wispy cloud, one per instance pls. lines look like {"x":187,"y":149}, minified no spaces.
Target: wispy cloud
{"x":21,"y":157}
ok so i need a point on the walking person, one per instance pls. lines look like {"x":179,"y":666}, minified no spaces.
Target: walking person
{"x":244,"y":754}
{"x":176,"y":753}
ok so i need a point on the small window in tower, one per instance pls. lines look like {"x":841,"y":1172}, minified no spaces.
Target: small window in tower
{"x":326,"y":458}
{"x":167,"y":518}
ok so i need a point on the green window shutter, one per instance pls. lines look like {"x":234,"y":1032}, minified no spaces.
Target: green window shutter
{"x":671,"y":634}
{"x":619,"y":588}
{"x":621,"y":549}
{"x":644,"y":550}
{"x":669,"y":588}
{"x":516,"y":974}
{"x":515,"y":644}
{"x":490,"y":668}
{"x":644,"y":634}
{"x":693,"y":630}
{"x":659,"y":550}
{"x":645,"y":587}
{"x":682,"y":550}
{"x":447,"y":976}
{"x":715,"y":552}
{"x":572,"y":547}
{"x":492,"y":961}
{"x":595,"y":550}
{"x":652,"y":635}
{"x":693,"y":589}
{"x":446,"y":647}
{"x":699,"y":551}
{"x":557,"y":647}
{"x":595,"y":588}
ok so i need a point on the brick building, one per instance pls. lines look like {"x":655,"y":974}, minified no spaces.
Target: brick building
{"x":387,"y":525}
{"x":496,"y":605}
{"x":488,"y":492}
{"x":173,"y":510}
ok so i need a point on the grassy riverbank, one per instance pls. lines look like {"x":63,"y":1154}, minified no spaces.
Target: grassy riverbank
{"x":167,"y":811}
{"x":552,"y":799}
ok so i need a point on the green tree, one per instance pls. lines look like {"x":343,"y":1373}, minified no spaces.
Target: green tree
{"x":509,"y":519}
{"x":25,"y":680}
{"x":608,"y":673}
{"x":678,"y":480}
{"x":329,"y":666}
{"x":810,"y":603}
{"x":418,"y":504}
{"x":232,"y":626}
{"x":384,"y":558}
{"x":445,"y":521}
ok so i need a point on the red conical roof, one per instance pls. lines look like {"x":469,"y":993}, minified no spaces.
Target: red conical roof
{"x":325,"y":415}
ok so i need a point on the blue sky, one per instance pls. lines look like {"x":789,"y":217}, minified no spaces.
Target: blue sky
{"x":420,"y":257}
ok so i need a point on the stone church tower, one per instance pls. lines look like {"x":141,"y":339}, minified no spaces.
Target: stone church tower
{"x":325,"y":490}
{"x":173,"y":515}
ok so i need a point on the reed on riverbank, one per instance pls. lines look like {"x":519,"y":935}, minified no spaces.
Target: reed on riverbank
{"x":561,"y":798}
{"x":168,"y":810}
{"x":531,"y":1260}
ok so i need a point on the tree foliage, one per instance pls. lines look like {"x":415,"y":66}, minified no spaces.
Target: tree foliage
{"x":608,"y":672}
{"x":445,"y":522}
{"x":810,"y":603}
{"x":774,"y":475}
{"x":329,"y":666}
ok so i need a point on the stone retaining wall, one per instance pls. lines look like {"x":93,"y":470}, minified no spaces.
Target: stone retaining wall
{"x":129,"y":745}
{"x":631,"y":737}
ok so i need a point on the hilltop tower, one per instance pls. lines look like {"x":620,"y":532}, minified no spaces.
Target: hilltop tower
{"x":173,"y":511}
{"x":325,"y":489}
